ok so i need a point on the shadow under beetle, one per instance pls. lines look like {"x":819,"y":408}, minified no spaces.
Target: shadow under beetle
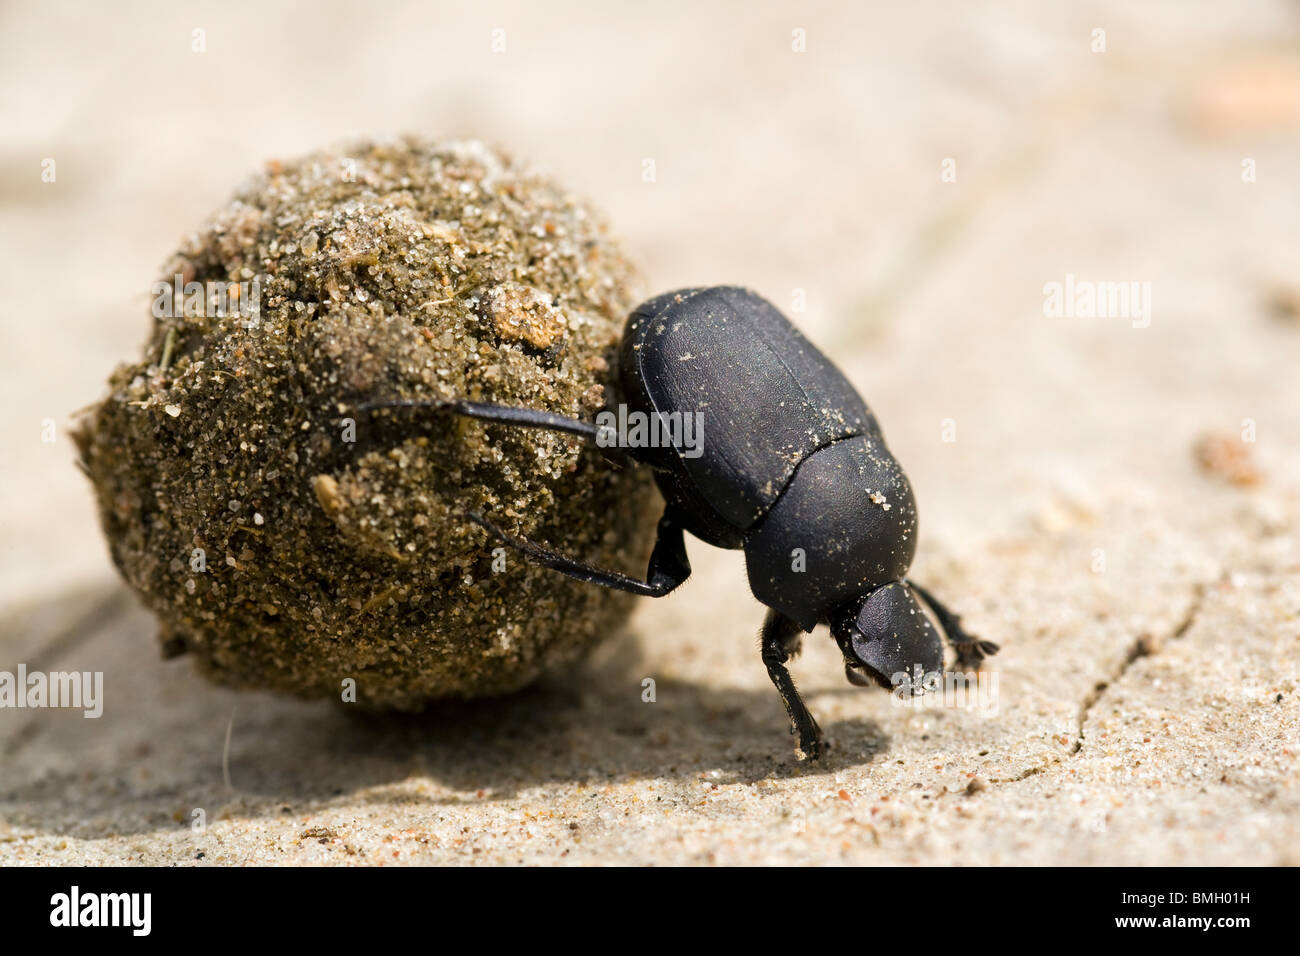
{"x":795,"y":472}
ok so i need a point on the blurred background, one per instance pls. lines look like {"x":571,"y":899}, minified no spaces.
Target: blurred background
{"x":902,"y":179}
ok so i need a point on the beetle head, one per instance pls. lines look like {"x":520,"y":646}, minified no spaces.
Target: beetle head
{"x":886,"y":637}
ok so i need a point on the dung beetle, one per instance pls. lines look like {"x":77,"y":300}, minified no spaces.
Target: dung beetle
{"x":795,"y":472}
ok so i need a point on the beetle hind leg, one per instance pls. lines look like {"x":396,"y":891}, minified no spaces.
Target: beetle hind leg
{"x":414,"y":409}
{"x":668,"y":567}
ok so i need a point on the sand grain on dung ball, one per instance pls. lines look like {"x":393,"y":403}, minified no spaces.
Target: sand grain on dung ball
{"x":281,"y":555}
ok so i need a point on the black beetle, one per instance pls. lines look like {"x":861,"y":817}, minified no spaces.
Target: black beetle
{"x":795,"y":472}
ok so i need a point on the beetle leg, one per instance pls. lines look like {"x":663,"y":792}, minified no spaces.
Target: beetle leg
{"x":668,"y":566}
{"x":500,"y":414}
{"x":781,"y":639}
{"x":971,"y":651}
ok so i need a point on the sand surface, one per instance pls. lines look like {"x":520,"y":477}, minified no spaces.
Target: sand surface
{"x":1146,"y":596}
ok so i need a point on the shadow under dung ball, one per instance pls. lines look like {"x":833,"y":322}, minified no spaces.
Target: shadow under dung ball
{"x":281,"y":554}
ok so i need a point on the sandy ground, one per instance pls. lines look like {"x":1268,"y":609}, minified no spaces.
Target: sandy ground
{"x":1148,"y":605}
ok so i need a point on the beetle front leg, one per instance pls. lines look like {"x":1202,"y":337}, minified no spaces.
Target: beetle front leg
{"x":781,"y":639}
{"x":971,"y":651}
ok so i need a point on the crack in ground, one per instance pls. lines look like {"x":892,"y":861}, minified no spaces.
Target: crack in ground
{"x":1143,"y":646}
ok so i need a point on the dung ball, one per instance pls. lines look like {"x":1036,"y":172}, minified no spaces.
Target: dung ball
{"x":286,"y":540}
